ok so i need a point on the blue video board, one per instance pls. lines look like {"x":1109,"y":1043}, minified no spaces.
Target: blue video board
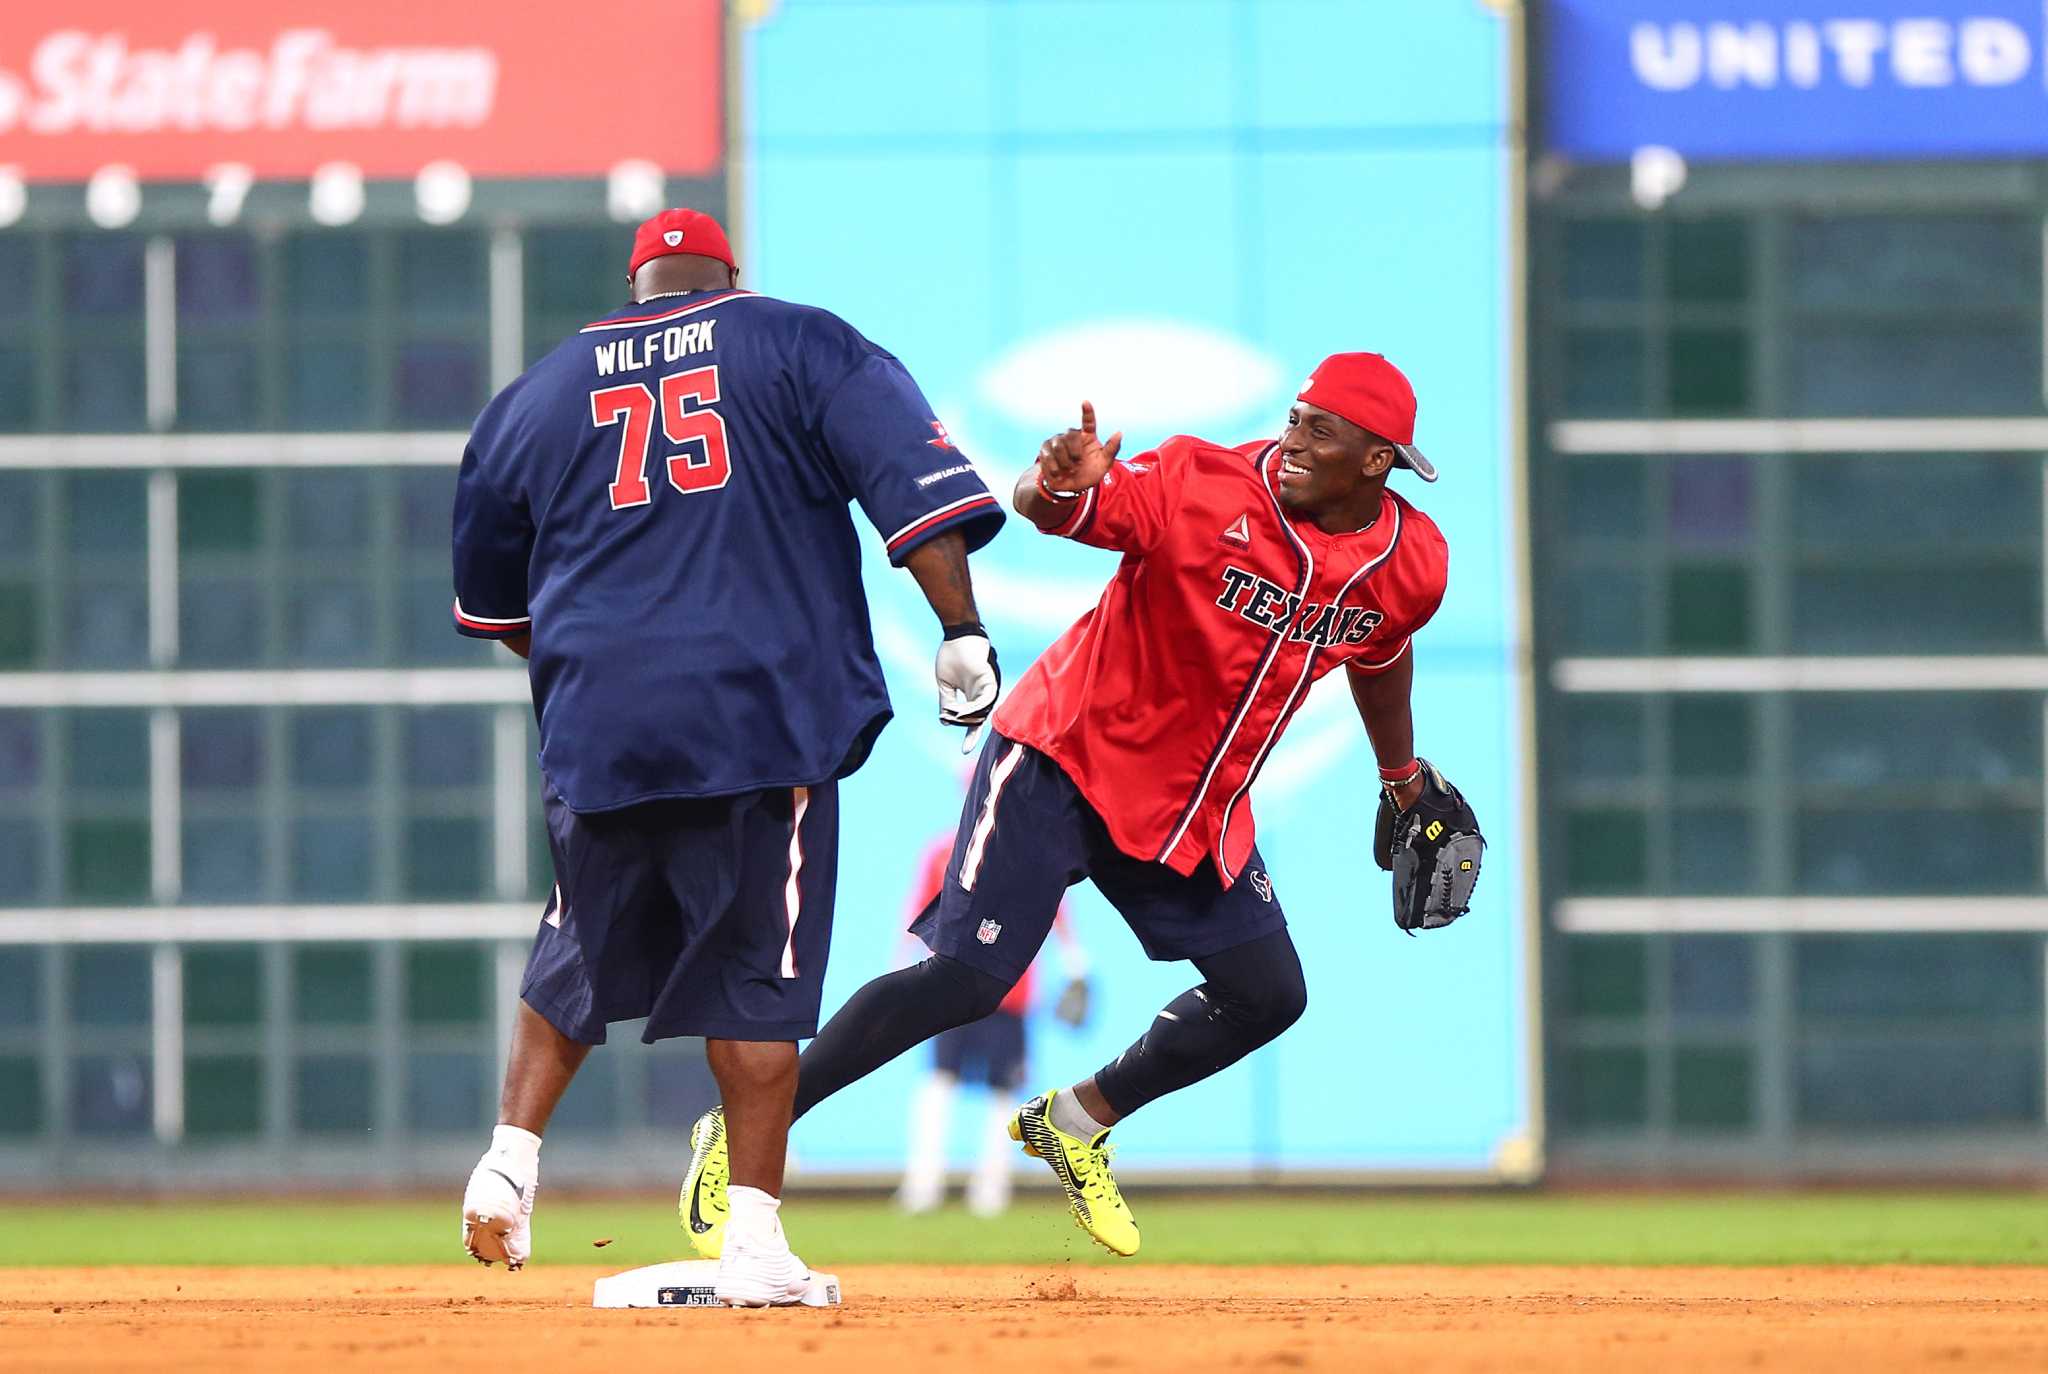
{"x":1181,"y":244}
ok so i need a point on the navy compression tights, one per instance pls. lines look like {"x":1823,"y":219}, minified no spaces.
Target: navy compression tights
{"x":1249,"y":994}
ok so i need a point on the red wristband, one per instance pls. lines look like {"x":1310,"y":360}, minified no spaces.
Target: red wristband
{"x":1401,"y":772}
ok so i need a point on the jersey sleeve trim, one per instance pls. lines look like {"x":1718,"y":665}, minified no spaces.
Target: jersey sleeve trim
{"x":489,"y":627}
{"x":976,"y":507}
{"x":1385,"y":663}
{"x":1078,"y":518}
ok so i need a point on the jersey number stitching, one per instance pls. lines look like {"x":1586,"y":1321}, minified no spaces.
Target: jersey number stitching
{"x":705,"y":463}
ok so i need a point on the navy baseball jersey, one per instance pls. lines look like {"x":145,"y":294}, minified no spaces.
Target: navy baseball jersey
{"x":663,"y":502}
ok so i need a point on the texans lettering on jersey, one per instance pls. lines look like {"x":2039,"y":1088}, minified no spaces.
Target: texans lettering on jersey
{"x":1280,"y":611}
{"x":662,"y":501}
{"x":1165,"y":700}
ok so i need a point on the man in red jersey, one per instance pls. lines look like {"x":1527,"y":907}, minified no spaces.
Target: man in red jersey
{"x":1127,"y":752}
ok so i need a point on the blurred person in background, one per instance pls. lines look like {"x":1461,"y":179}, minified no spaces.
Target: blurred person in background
{"x":991,"y":1053}
{"x":655,"y":516}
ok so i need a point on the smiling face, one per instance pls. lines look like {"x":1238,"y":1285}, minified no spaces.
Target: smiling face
{"x":1329,"y":465}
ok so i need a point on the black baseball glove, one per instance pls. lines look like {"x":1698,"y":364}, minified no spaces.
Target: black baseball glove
{"x":1433,"y":850}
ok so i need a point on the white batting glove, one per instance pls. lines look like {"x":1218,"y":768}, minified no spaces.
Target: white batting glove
{"x":969,"y":678}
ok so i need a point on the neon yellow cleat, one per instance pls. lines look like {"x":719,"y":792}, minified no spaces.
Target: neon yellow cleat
{"x":702,"y":1207}
{"x":1083,"y":1169}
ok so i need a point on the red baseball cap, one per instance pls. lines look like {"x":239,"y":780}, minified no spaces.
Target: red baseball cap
{"x":1371,"y":393}
{"x":679,"y":231}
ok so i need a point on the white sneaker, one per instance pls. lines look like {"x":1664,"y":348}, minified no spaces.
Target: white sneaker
{"x":497,"y":1214}
{"x":756,"y":1276}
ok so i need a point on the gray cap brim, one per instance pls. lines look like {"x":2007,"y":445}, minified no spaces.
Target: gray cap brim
{"x":1410,"y":457}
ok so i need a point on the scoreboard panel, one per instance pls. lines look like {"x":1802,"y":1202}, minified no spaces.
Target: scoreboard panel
{"x":1789,"y":456}
{"x":269,"y":826}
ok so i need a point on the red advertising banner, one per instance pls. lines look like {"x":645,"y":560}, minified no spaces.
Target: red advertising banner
{"x":285,"y":86}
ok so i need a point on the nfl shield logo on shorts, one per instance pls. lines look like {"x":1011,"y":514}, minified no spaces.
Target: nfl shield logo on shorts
{"x":988,"y":932}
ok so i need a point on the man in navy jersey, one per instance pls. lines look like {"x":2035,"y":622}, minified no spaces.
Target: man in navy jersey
{"x":655,"y":515}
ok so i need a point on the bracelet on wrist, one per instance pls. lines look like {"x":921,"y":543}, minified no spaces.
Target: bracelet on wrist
{"x":1401,"y":775}
{"x":1049,"y":494}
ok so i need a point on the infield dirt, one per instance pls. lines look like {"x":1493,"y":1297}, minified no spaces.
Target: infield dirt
{"x":904,"y":1319}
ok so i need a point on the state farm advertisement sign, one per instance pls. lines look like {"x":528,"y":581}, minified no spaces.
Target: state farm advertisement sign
{"x":174,"y":89}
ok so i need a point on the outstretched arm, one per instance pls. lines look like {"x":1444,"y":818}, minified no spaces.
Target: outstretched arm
{"x":1068,"y":464}
{"x":1384,"y":706}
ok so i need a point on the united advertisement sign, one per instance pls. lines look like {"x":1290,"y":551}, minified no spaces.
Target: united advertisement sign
{"x":1808,"y":79}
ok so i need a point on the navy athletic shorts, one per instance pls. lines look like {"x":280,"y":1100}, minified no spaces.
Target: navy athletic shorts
{"x":1027,"y":835}
{"x":706,"y":917}
{"x":989,"y":1052}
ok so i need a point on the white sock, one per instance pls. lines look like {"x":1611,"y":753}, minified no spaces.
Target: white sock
{"x":989,"y":1191}
{"x":924,"y":1168}
{"x":755,"y":1218}
{"x":515,"y":1151}
{"x":1070,"y":1116}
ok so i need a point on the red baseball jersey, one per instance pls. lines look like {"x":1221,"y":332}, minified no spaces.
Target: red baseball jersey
{"x":1164,"y":701}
